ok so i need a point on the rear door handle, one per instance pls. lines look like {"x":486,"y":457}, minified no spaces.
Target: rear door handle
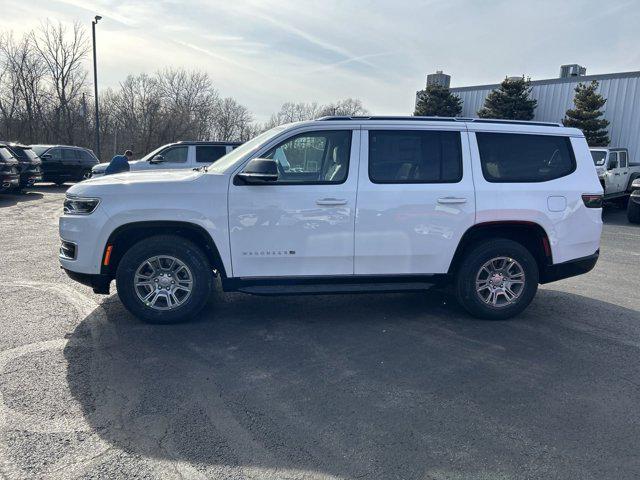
{"x":449,"y":200}
{"x":331,"y":201}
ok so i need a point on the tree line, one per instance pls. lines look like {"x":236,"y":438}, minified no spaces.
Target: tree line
{"x":46,"y":97}
{"x":512,"y":101}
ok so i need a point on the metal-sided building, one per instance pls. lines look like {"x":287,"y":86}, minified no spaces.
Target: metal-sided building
{"x":555,"y":96}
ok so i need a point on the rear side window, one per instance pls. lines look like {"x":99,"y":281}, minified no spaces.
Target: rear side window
{"x":210,"y":153}
{"x":69,"y":154}
{"x":518,"y":158}
{"x":414,"y":156}
{"x":623,"y":159}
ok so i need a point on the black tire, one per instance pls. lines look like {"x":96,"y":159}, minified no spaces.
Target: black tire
{"x":633,"y":212}
{"x":470,"y":267}
{"x":179,"y":248}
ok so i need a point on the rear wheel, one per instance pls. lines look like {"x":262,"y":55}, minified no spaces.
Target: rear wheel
{"x":497,"y":279}
{"x":164,"y":279}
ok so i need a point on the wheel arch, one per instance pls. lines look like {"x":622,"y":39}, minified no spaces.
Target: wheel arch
{"x":127,"y":235}
{"x":529,"y":234}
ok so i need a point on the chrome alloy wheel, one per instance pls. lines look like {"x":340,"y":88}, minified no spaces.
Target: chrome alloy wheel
{"x":500,"y":282}
{"x":163,"y":282}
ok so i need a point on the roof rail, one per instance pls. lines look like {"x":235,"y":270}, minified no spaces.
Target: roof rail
{"x":438,"y":119}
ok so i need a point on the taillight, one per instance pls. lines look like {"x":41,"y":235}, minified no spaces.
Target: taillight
{"x":592,"y":200}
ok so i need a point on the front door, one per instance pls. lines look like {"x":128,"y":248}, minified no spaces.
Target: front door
{"x":612,"y":175}
{"x":302,"y":224}
{"x":415,"y":199}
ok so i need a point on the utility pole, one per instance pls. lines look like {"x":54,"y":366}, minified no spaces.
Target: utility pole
{"x":95,"y":84}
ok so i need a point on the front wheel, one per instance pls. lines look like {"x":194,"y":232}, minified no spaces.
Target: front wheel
{"x":497,"y":279}
{"x":164,"y":279}
{"x":633,"y":210}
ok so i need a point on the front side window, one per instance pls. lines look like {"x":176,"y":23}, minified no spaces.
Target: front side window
{"x":210,"y":153}
{"x":599,"y":157}
{"x":510,"y":157}
{"x":415,"y":156}
{"x":613,"y":160}
{"x":313,"y":157}
{"x":176,"y":154}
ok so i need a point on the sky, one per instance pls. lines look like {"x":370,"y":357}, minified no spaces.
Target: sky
{"x":266,"y":52}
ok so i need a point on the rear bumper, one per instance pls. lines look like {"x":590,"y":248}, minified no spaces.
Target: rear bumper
{"x":99,"y":283}
{"x":571,"y":268}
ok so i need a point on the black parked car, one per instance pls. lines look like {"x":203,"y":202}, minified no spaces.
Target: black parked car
{"x":9,"y":170}
{"x":30,"y":164}
{"x":63,"y":163}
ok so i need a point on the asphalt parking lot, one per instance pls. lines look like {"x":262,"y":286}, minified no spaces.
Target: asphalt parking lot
{"x":395,"y":386}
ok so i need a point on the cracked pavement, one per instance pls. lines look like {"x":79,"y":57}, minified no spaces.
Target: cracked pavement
{"x":386,"y":386}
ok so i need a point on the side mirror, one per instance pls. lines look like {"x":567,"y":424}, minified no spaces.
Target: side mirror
{"x":157,"y":159}
{"x":636,"y":183}
{"x":259,"y":170}
{"x":46,"y":156}
{"x":612,"y":164}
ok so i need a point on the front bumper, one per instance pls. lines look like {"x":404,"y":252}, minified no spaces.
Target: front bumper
{"x":98,"y":282}
{"x":570,"y":268}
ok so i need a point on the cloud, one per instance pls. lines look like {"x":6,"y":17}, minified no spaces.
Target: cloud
{"x":266,"y":52}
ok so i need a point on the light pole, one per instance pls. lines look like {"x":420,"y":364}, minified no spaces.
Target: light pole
{"x":95,"y":82}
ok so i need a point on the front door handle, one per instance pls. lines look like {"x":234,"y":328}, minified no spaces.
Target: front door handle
{"x":331,"y":201}
{"x":449,"y":200}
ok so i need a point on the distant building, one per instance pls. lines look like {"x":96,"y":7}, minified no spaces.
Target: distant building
{"x":555,"y":97}
{"x":439,"y":78}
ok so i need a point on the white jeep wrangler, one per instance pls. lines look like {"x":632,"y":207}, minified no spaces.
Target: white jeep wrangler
{"x":345,"y":204}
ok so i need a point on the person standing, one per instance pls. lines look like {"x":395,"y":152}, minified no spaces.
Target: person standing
{"x":119,"y":163}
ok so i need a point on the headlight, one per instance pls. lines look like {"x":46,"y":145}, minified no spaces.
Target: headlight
{"x":80,"y":205}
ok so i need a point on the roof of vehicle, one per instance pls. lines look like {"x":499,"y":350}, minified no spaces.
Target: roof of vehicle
{"x":608,"y":148}
{"x":13,"y":145}
{"x":57,"y":145}
{"x":437,"y":119}
{"x":205,"y":142}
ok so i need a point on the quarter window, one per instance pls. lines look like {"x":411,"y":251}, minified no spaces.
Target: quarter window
{"x":210,"y":153}
{"x":313,"y":157}
{"x":415,"y":156}
{"x":176,"y":154}
{"x":516,"y":158}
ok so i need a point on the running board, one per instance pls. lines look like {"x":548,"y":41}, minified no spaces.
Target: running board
{"x":327,"y":288}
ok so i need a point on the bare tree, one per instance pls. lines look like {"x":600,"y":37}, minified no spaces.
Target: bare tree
{"x":26,"y":73}
{"x":63,"y":52}
{"x":348,"y":107}
{"x":232,"y":121}
{"x":297,"y":112}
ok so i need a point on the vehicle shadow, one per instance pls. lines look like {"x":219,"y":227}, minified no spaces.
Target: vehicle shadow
{"x":9,"y":199}
{"x":365,"y":386}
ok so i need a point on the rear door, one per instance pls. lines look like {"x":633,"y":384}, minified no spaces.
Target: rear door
{"x":415,"y":198}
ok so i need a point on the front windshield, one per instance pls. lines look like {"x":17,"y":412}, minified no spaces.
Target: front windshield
{"x":152,"y":154}
{"x":40,"y":150}
{"x":599,"y":157}
{"x":231,"y":158}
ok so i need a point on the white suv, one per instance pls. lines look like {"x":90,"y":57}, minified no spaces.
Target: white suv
{"x":345,"y":204}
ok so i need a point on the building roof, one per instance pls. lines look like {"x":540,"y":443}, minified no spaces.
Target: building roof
{"x":583,"y":78}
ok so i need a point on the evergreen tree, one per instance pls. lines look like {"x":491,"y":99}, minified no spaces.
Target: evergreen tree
{"x":437,"y":101}
{"x":586,"y":115}
{"x":510,"y":101}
